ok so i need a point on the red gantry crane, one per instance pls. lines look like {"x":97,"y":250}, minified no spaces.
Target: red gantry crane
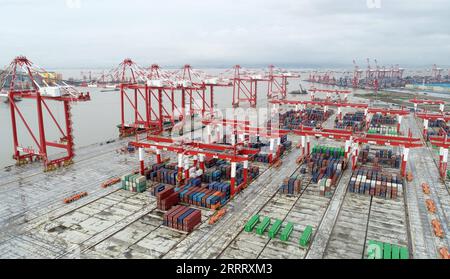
{"x":357,"y":74}
{"x":245,"y":86}
{"x":278,"y":82}
{"x":353,"y":140}
{"x":431,"y":116}
{"x":418,"y":102}
{"x":242,"y":129}
{"x":444,"y":144}
{"x":194,"y":85}
{"x":162,"y":89}
{"x":313,"y":91}
{"x":235,"y":154}
{"x":25,"y":80}
{"x":400,"y":113}
{"x":134,"y":98}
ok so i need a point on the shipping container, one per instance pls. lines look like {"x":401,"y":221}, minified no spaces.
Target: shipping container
{"x":375,"y":183}
{"x":286,"y":232}
{"x":182,"y":218}
{"x":251,"y":224}
{"x":263,"y":226}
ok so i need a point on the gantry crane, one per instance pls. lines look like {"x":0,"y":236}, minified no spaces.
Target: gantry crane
{"x":245,"y":86}
{"x":400,"y":113}
{"x":353,"y":140}
{"x":278,"y":82}
{"x":240,"y":129}
{"x":26,"y":80}
{"x":300,"y":105}
{"x":132,"y":77}
{"x":444,"y":144}
{"x":418,"y":102}
{"x":431,"y":116}
{"x":235,"y":154}
{"x":357,"y":74}
{"x":313,"y":91}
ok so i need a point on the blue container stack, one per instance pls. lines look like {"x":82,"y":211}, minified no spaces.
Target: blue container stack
{"x":291,"y":120}
{"x":355,"y":121}
{"x":325,"y":166}
{"x":157,"y":189}
{"x":379,"y":119}
{"x":262,"y":158}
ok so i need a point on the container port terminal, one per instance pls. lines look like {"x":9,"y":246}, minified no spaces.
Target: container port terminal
{"x":332,"y":173}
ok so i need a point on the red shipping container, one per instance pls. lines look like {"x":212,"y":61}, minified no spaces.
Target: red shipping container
{"x":165,"y":193}
{"x":191,"y":221}
{"x":175,"y":217}
{"x":168,"y":215}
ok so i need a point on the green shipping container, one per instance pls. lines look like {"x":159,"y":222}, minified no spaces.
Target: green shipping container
{"x":395,"y":252}
{"x":306,"y":237}
{"x":375,"y":250}
{"x":263,"y":226}
{"x":286,"y":233}
{"x":387,"y":251}
{"x":251,"y":223}
{"x":404,"y":253}
{"x":275,"y":229}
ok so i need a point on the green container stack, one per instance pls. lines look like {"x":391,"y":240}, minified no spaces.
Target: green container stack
{"x":380,"y":250}
{"x":389,"y":131}
{"x":340,"y":152}
{"x":135,"y":183}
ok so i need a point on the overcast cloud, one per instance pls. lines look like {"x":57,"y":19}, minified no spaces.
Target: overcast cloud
{"x":99,"y":33}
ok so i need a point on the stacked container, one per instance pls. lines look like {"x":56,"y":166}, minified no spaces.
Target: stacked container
{"x":382,"y":156}
{"x":134,"y":183}
{"x":375,"y":183}
{"x":291,"y":186}
{"x":379,"y":119}
{"x":203,"y":197}
{"x":291,"y":120}
{"x":167,"y":198}
{"x":354,"y":122}
{"x":182,"y":218}
{"x":326,"y":165}
{"x":164,"y":175}
{"x":383,"y":130}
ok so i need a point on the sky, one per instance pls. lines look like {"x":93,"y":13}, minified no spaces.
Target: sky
{"x":304,"y":33}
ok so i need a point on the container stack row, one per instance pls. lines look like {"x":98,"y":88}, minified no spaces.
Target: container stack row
{"x":291,"y":186}
{"x":383,"y":130}
{"x":382,"y":156}
{"x":167,"y":198}
{"x":375,"y":183}
{"x":326,"y":166}
{"x":182,"y":218}
{"x":291,"y":120}
{"x":208,"y":197}
{"x":379,"y":120}
{"x":352,"y":121}
{"x":134,"y":183}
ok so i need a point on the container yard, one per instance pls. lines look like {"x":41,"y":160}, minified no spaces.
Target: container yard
{"x":223,"y":161}
{"x":315,"y":184}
